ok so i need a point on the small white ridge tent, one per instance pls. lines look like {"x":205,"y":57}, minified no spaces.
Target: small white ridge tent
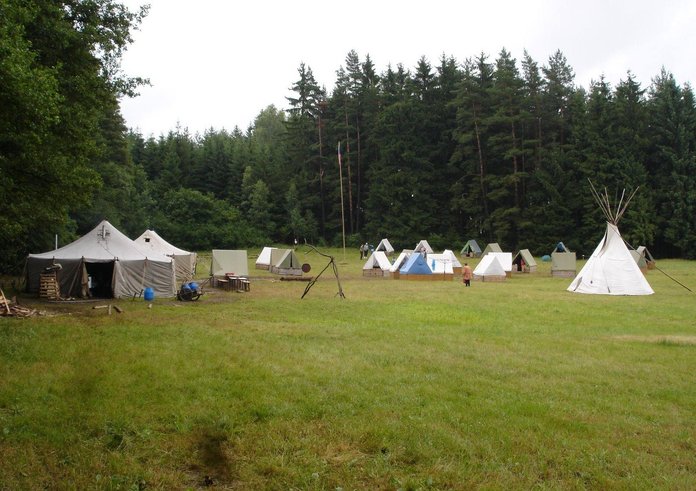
{"x":104,"y":263}
{"x":229,"y":262}
{"x":423,"y":246}
{"x":377,"y":264}
{"x":611,"y":270}
{"x":264,"y":259}
{"x":492,"y":247}
{"x":184,"y":261}
{"x":385,"y":247}
{"x":490,"y":269}
{"x":505,"y":260}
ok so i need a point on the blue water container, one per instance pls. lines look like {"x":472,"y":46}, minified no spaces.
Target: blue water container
{"x":193,"y":286}
{"x":149,"y":294}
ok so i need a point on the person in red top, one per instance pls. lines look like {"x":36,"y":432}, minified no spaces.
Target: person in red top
{"x":466,"y":274}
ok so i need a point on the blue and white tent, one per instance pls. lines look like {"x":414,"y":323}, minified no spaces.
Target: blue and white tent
{"x":415,"y":265}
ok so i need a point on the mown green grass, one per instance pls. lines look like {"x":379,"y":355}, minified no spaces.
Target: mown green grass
{"x":402,"y":385}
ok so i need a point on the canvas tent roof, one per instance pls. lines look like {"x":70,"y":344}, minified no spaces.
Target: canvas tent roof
{"x":471,"y":247}
{"x":378,"y":259}
{"x":385,"y":246}
{"x":423,"y":246}
{"x":489,"y":266}
{"x":415,"y":264}
{"x":611,"y":270}
{"x":563,"y":261}
{"x":492,"y":247}
{"x":105,"y":255}
{"x":229,"y":261}
{"x":184,"y":261}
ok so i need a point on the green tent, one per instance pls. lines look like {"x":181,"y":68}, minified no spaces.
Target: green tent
{"x":471,"y":249}
{"x":285,"y":262}
{"x":524,"y":262}
{"x":492,"y":247}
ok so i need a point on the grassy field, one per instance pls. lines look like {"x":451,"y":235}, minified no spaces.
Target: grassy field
{"x":402,"y":385}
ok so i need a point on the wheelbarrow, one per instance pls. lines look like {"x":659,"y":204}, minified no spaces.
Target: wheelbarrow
{"x":189,"y":291}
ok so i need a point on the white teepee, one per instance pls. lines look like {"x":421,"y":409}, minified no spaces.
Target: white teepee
{"x":611,"y":270}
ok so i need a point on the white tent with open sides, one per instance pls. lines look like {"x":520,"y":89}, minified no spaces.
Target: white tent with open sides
{"x":184,"y":261}
{"x":611,"y":270}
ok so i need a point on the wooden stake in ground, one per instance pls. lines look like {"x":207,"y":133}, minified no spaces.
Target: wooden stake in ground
{"x":4,"y":299}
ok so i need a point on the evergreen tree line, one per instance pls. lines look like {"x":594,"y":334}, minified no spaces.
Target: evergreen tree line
{"x":497,"y":150}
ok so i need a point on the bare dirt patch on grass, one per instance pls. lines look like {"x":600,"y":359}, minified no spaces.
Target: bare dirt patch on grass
{"x":676,"y":340}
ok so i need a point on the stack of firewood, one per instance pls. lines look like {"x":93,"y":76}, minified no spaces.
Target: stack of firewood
{"x":10,"y":308}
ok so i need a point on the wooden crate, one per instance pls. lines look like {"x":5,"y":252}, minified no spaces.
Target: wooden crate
{"x":48,"y":286}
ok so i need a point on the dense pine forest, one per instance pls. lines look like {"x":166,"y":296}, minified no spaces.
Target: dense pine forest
{"x":489,"y":147}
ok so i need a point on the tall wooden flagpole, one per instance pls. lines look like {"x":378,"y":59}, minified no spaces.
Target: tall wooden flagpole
{"x":343,"y":220}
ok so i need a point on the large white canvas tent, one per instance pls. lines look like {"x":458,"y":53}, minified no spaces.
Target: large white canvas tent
{"x":184,"y":261}
{"x":490,"y":269}
{"x":264,"y":259}
{"x":229,"y":262}
{"x":385,"y":247}
{"x":377,"y":264}
{"x":611,"y":270}
{"x":104,"y":263}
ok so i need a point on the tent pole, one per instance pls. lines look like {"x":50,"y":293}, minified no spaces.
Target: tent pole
{"x":343,"y":220}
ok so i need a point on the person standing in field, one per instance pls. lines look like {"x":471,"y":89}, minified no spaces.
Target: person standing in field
{"x":466,"y":274}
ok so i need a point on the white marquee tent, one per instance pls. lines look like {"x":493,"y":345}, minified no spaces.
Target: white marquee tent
{"x":104,"y":263}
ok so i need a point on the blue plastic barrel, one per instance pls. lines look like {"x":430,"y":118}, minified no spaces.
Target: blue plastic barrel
{"x":149,"y":294}
{"x":193,"y":286}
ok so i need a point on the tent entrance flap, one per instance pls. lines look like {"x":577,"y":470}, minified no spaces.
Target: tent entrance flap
{"x":100,"y":277}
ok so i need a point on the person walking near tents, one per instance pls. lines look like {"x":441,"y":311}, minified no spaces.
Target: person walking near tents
{"x":466,"y":274}
{"x":362,"y":251}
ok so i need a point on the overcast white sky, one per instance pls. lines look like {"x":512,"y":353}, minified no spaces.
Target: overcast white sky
{"x":218,"y":63}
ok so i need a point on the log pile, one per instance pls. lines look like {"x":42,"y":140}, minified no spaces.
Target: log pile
{"x":10,"y":308}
